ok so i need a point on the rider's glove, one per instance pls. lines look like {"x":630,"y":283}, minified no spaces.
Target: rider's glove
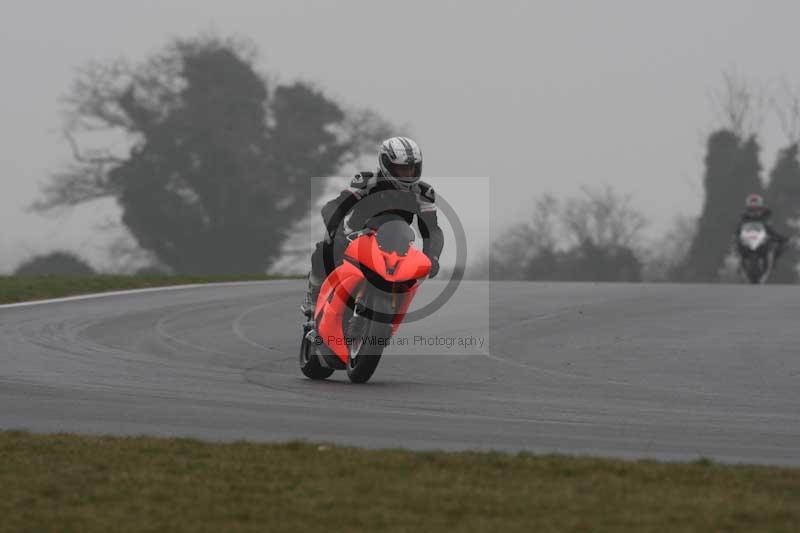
{"x":434,"y":267}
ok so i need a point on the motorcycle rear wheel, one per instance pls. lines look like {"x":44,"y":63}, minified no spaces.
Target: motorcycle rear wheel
{"x":309,"y":363}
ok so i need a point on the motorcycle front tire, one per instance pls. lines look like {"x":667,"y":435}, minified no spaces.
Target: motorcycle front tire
{"x":364,"y":357}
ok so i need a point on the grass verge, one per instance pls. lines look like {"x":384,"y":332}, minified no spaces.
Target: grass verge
{"x":15,"y":289}
{"x":87,"y":484}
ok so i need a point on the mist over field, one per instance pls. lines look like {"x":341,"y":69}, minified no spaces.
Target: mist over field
{"x":510,"y":266}
{"x":540,"y":98}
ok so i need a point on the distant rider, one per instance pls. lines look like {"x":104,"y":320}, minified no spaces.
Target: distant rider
{"x":755,"y":210}
{"x":374,"y":195}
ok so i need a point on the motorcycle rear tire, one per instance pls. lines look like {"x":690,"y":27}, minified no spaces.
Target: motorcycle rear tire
{"x":309,"y":363}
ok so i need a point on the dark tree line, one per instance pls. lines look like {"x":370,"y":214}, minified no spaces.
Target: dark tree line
{"x":220,"y":161}
{"x":54,"y":264}
{"x":595,"y":237}
{"x":577,"y":241}
{"x":732,"y":171}
{"x":784,"y":197}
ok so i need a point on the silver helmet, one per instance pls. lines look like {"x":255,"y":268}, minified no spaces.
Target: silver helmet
{"x":401,"y":159}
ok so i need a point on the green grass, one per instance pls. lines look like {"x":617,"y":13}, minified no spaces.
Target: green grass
{"x":24,"y":288}
{"x":87,"y":484}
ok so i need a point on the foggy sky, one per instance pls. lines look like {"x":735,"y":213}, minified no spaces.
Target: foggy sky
{"x":539,"y":96}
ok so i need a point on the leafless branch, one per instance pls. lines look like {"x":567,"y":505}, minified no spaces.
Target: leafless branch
{"x":363,"y":130}
{"x":787,"y":107}
{"x":76,"y":185}
{"x":544,"y":226}
{"x":97,"y":157}
{"x":740,"y":107}
{"x":603,"y":218}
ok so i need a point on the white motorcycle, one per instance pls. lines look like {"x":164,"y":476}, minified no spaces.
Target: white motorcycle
{"x":756,"y":252}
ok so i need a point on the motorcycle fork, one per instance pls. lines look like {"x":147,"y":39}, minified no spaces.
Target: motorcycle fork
{"x":362,"y":288}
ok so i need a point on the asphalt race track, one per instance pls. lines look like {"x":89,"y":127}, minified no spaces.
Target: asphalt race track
{"x":658,"y":371}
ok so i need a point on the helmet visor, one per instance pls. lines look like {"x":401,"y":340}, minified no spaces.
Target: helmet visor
{"x":408,"y":173}
{"x":403,"y":171}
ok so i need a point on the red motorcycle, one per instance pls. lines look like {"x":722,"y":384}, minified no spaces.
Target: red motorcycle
{"x":362,"y":303}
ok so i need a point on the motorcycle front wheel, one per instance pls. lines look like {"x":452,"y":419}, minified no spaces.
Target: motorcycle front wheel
{"x":367,"y":336}
{"x":751,"y":267}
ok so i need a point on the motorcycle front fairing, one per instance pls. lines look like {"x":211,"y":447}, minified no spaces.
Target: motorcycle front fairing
{"x":388,"y":271}
{"x":334,"y":295}
{"x":753,"y":236}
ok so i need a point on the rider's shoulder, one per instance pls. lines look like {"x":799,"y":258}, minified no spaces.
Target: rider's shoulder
{"x":426,"y":191}
{"x":362,"y":182}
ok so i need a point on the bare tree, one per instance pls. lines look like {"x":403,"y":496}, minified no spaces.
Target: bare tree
{"x":740,"y":107}
{"x":544,"y":223}
{"x":787,"y":108}
{"x":519,"y":244}
{"x":589,"y":237}
{"x":602,"y":218}
{"x":361,"y":128}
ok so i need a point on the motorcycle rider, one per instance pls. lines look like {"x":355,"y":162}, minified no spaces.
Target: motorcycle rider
{"x":756,"y":210}
{"x":394,"y":190}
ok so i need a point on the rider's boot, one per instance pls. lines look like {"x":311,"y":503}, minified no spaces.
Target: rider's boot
{"x":310,"y":303}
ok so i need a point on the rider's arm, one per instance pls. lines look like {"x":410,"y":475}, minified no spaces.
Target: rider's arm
{"x":334,"y":212}
{"x":432,"y":234}
{"x":739,"y":225}
{"x":774,"y":234}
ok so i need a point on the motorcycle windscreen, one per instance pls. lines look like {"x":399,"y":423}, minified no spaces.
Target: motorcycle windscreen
{"x":394,"y":236}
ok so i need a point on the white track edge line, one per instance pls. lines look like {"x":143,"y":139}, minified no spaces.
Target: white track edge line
{"x":136,"y":291}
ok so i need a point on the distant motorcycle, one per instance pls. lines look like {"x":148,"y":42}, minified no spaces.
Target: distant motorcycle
{"x":362,"y":302}
{"x":756,"y":252}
